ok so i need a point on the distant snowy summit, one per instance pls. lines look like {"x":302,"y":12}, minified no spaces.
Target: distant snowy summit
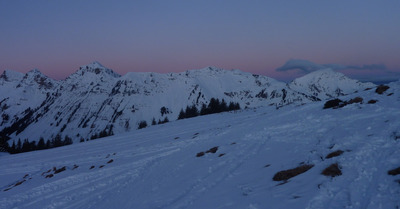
{"x":327,"y":83}
{"x":95,"y":99}
{"x":98,"y":69}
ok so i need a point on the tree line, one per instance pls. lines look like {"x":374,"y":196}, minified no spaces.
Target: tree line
{"x":214,"y":106}
{"x":27,"y":146}
{"x":143,"y":123}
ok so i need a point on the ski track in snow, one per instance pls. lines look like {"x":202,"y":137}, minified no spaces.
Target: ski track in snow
{"x":157,"y":167}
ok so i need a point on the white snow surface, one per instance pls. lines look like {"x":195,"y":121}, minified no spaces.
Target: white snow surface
{"x":157,"y":167}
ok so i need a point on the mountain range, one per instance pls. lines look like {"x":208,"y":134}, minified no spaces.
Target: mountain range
{"x":95,"y":99}
{"x":334,"y":154}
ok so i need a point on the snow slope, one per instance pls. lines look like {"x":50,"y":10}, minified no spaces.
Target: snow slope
{"x":96,"y":99}
{"x":157,"y":167}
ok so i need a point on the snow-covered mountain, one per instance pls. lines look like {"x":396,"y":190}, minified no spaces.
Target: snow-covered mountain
{"x":326,"y":83}
{"x":95,"y":99}
{"x":226,"y":160}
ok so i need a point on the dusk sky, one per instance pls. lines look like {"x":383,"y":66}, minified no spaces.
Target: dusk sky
{"x":56,"y":37}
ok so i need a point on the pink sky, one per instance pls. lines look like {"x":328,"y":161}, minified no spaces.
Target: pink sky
{"x":258,"y":37}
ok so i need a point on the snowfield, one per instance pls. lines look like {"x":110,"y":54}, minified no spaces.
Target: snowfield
{"x":158,"y":167}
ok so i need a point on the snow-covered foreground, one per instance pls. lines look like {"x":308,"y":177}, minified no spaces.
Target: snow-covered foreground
{"x":157,"y":167}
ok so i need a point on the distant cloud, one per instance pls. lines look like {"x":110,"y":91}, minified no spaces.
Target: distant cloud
{"x":303,"y":65}
{"x":382,"y":77}
{"x":368,"y":67}
{"x":308,"y":66}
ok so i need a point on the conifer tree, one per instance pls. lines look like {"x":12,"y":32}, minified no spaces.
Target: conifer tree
{"x":25,"y":146}
{"x":191,"y":111}
{"x":67,"y":140}
{"x":41,"y":145}
{"x":204,"y":110}
{"x":48,"y":144}
{"x":12,"y":148}
{"x":142,"y":124}
{"x":182,"y":114}
{"x":57,"y":141}
{"x":32,"y":146}
{"x":19,"y":146}
{"x":223,"y":106}
{"x":166,"y":120}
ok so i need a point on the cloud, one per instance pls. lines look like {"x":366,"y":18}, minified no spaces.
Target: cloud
{"x":368,"y":67}
{"x":308,"y":66}
{"x":303,"y":65}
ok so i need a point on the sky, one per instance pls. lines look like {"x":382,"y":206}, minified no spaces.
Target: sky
{"x":261,"y":37}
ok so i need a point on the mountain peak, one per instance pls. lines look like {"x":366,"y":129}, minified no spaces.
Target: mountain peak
{"x":10,"y":75}
{"x":35,"y":72}
{"x":96,"y":64}
{"x":97,"y":68}
{"x":204,"y":71}
{"x":35,"y":76}
{"x":211,"y":68}
{"x":322,"y":75}
{"x":329,"y":82}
